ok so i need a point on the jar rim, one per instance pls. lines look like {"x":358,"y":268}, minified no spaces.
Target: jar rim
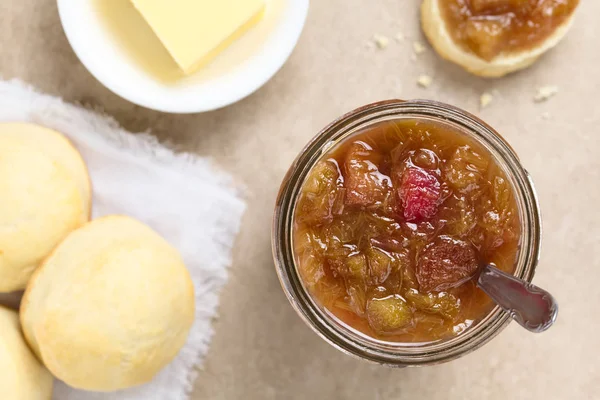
{"x":360,"y":345}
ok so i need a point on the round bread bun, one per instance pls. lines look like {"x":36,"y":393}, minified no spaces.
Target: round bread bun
{"x":44,"y":195}
{"x":434,"y":27}
{"x":110,"y":307}
{"x":58,"y":147}
{"x":22,"y":377}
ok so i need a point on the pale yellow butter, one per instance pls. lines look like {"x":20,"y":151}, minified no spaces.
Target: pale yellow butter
{"x":195,"y":31}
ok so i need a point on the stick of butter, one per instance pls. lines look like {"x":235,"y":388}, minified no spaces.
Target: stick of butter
{"x":196,"y":31}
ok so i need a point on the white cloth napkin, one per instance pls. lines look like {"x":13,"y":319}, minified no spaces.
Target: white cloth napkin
{"x":183,"y":197}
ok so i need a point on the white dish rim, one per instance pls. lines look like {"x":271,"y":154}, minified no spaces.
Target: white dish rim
{"x":91,"y":43}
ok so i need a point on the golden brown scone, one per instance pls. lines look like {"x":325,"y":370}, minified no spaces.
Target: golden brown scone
{"x":110,"y":307}
{"x":436,"y":30}
{"x":22,"y":377}
{"x":45,"y":194}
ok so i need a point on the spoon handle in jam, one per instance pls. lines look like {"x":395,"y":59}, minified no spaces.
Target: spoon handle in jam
{"x":532,"y":307}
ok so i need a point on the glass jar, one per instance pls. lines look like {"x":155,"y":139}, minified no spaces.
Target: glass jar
{"x":346,"y":338}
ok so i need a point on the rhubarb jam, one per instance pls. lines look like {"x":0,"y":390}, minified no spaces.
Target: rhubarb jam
{"x":489,"y":28}
{"x":392,"y":225}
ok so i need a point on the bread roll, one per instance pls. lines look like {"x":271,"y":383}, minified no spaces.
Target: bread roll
{"x":435,"y":29}
{"x":110,"y":307}
{"x":22,"y":377}
{"x":45,"y":194}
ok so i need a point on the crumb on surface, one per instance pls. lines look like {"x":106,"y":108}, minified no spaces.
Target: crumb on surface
{"x":546,"y":115}
{"x":381,"y":41}
{"x":399,"y":36}
{"x":544,"y":93}
{"x":485,"y":100}
{"x":424,"y":81}
{"x":419,"y":48}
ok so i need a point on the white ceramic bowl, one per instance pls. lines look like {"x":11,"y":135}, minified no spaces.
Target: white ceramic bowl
{"x":114,"y":68}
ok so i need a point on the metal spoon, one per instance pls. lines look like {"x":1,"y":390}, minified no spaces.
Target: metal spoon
{"x":532,"y":307}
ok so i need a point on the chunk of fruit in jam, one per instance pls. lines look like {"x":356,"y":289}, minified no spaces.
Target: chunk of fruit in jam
{"x":388,"y":315}
{"x":382,"y":264}
{"x":442,"y":303}
{"x":365,"y":184}
{"x":446,"y":263}
{"x":424,"y":158}
{"x":486,"y":37}
{"x":357,"y":298}
{"x":497,"y":215}
{"x":312,"y":263}
{"x":420,"y":193}
{"x":323,"y":193}
{"x":355,"y":267}
{"x":465,"y":169}
{"x":464,"y":219}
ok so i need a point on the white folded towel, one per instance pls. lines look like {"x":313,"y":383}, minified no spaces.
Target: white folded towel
{"x":195,"y":206}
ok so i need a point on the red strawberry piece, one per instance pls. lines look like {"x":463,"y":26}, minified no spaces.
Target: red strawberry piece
{"x":420,"y":194}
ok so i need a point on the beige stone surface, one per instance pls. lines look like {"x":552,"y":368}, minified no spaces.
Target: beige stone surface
{"x":261,"y":349}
